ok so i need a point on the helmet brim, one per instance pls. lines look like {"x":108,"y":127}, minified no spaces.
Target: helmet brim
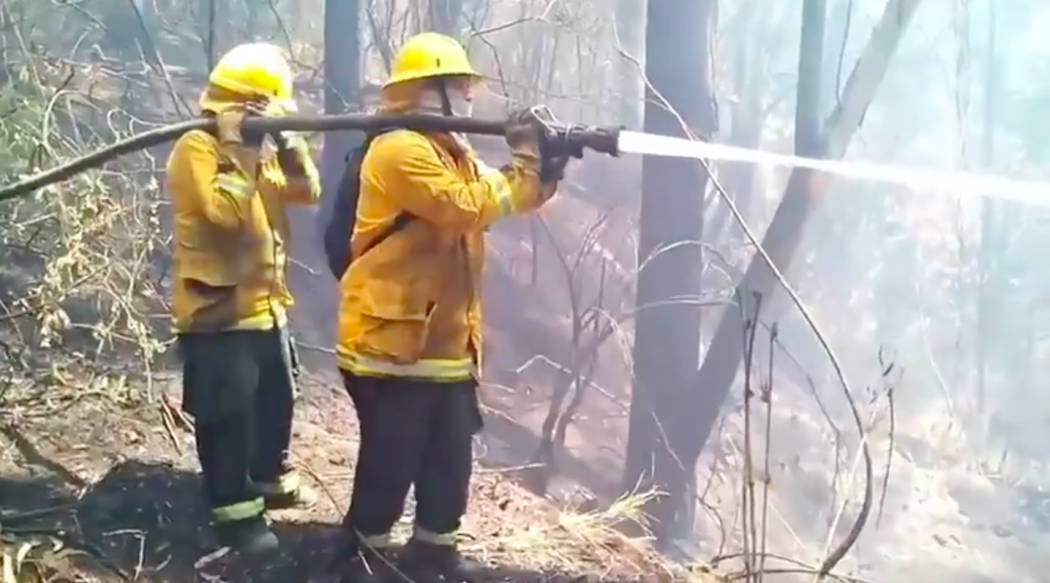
{"x":399,"y":79}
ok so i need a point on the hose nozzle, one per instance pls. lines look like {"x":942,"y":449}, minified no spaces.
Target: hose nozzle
{"x":562,"y":139}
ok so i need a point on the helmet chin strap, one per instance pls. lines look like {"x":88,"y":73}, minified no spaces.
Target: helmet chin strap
{"x":439,"y":99}
{"x":446,"y":103}
{"x":440,"y":86}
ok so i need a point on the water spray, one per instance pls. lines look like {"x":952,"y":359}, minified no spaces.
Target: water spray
{"x":561,"y":139}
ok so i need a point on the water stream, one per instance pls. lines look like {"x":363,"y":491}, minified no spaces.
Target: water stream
{"x":922,"y":182}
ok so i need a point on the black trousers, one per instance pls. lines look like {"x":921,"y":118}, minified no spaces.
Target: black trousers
{"x":240,"y":388}
{"x":412,"y":433}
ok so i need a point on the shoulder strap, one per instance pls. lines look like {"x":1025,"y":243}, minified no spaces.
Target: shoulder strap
{"x":399,"y":223}
{"x":401,"y":220}
{"x":340,"y":227}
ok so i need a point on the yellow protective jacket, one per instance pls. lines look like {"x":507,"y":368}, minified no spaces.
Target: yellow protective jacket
{"x":230,"y":234}
{"x":411,"y":305}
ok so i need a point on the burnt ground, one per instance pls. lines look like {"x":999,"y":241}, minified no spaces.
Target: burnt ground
{"x":115,"y":487}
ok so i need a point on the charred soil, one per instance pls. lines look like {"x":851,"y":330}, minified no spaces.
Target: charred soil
{"x":96,"y":490}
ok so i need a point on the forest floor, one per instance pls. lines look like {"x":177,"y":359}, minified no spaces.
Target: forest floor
{"x":116,"y":486}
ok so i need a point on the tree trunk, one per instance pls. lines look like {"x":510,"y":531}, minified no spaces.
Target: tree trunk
{"x":745,"y":122}
{"x":444,"y":16}
{"x":630,"y":36}
{"x":715,"y":378}
{"x":666,"y":348}
{"x":342,"y":73}
{"x":757,"y":41}
{"x":213,"y":14}
{"x":990,"y":241}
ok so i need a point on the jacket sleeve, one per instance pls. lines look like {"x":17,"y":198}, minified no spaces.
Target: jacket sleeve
{"x":225,"y":198}
{"x":303,"y":189}
{"x":407,"y":169}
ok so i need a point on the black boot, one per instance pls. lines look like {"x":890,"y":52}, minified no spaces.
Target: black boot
{"x":352,"y":563}
{"x":427,"y":562}
{"x":249,"y":537}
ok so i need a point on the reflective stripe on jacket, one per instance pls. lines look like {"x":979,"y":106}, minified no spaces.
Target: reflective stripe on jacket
{"x":230,"y":235}
{"x":439,"y":369}
{"x":411,"y":306}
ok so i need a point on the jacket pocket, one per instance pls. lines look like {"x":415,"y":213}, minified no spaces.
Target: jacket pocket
{"x":210,"y":260}
{"x":205,"y":274}
{"x":395,"y":319}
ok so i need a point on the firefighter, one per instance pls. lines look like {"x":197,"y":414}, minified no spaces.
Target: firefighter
{"x":409,"y":343}
{"x":230,"y":195}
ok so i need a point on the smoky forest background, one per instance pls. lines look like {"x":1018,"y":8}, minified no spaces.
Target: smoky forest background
{"x":658,"y":408}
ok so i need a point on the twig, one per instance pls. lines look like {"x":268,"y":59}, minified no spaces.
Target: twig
{"x":886,"y":369}
{"x":749,"y":528}
{"x":767,"y":397}
{"x":306,"y":469}
{"x":167,"y":419}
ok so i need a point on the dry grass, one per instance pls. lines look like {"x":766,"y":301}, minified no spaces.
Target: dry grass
{"x":533,"y":534}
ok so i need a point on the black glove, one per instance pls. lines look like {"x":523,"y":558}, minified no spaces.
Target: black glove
{"x":287,"y":142}
{"x":281,"y":141}
{"x":535,"y":130}
{"x":523,"y":135}
{"x":272,"y":109}
{"x":552,"y":169}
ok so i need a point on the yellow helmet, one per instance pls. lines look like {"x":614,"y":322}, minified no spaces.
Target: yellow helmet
{"x":427,"y":55}
{"x":254,"y":69}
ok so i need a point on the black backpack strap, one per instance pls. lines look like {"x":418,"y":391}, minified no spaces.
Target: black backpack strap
{"x":399,"y":223}
{"x":339,"y":230}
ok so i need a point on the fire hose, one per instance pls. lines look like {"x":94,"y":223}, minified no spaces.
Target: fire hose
{"x":559,"y":139}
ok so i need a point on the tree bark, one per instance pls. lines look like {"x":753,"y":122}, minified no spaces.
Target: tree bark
{"x":630,"y":34}
{"x":667,"y":342}
{"x":714,"y":380}
{"x":444,"y":16}
{"x":991,"y":241}
{"x":342,"y":73}
{"x":746,"y":118}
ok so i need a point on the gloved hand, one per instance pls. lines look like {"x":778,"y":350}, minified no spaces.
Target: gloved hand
{"x":231,"y":121}
{"x":229,"y":126}
{"x":270,"y":108}
{"x":286,"y":140}
{"x":292,"y":150}
{"x":553,"y":169}
{"x":524,"y":135}
{"x":232,"y":141}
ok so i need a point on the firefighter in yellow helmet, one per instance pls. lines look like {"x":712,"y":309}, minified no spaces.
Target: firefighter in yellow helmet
{"x":411,"y":215}
{"x":230,"y":193}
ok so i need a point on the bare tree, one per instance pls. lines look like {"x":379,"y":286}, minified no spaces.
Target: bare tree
{"x":991,"y":224}
{"x":630,"y":36}
{"x":444,"y":15}
{"x":813,"y":138}
{"x":754,"y":99}
{"x":667,"y":336}
{"x":342,"y":72}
